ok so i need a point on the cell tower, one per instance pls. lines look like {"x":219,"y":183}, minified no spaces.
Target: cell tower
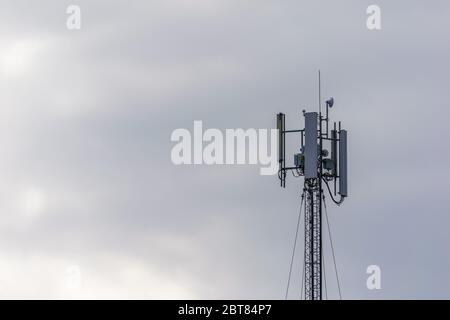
{"x":318,"y":167}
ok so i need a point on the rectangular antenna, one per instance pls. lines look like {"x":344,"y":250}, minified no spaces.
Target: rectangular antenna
{"x":280,"y":127}
{"x":343,"y":163}
{"x":281,"y":144}
{"x":311,"y":150}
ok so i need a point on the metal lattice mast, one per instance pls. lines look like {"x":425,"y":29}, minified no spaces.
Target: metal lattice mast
{"x":308,"y":265}
{"x":313,"y":254}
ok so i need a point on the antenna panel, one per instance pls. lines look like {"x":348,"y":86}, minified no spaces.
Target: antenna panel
{"x":343,"y":163}
{"x":280,"y":127}
{"x":311,"y":152}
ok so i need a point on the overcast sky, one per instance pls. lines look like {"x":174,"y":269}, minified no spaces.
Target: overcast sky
{"x":91,"y":205}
